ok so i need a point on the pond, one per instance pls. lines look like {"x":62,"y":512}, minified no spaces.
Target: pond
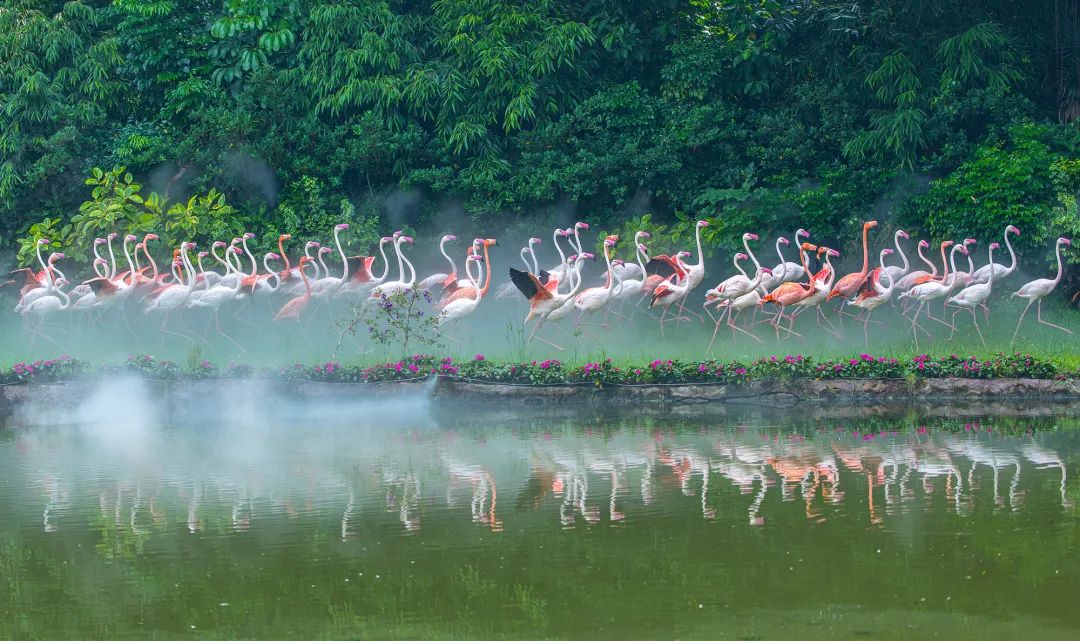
{"x":129,"y":517}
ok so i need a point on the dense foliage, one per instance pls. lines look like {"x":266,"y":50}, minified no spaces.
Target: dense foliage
{"x":200,"y":118}
{"x":554,"y":372}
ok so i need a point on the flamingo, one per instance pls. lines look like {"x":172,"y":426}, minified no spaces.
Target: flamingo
{"x":363,"y":279}
{"x":849,"y":284}
{"x":876,"y":294}
{"x":329,"y":286}
{"x":785,"y":270}
{"x":896,"y":272}
{"x":296,"y":306}
{"x":913,"y":278}
{"x":926,"y":293}
{"x":789,"y":294}
{"x":465,"y":292}
{"x":174,"y":296}
{"x":455,"y":310}
{"x":823,"y":285}
{"x":1038,"y":289}
{"x":982,"y":274}
{"x":973,"y":296}
{"x":401,"y":284}
{"x":507,"y":290}
{"x":216,"y":296}
{"x":46,"y":306}
{"x":630,"y":272}
{"x":594,"y":299}
{"x":731,"y":290}
{"x":445,"y":279}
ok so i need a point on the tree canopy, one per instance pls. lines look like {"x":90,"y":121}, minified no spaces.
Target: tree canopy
{"x":284,"y":115}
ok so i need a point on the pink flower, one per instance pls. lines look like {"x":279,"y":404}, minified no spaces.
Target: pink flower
{"x":413,"y":368}
{"x":480,"y":357}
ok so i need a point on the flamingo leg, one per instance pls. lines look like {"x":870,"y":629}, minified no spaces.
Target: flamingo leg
{"x":1019,"y":322}
{"x":1038,"y":312}
{"x":735,"y":328}
{"x":217,"y":324}
{"x":975,"y":320}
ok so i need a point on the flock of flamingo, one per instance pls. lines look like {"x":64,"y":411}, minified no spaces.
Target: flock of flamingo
{"x":553,"y":294}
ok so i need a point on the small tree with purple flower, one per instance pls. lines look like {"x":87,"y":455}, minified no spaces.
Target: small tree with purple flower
{"x":397,"y":319}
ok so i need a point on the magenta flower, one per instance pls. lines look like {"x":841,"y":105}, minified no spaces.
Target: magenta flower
{"x":480,"y":357}
{"x":413,"y":368}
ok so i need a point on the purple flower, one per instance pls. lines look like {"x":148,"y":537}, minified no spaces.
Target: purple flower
{"x":740,"y":371}
{"x":480,"y":357}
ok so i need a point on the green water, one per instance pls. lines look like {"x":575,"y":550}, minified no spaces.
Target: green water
{"x":121,"y":521}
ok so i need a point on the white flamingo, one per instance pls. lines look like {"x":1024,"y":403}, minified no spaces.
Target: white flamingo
{"x":1038,"y":289}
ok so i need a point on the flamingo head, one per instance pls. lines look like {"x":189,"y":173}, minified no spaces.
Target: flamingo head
{"x":767,"y":270}
{"x":488,"y":242}
{"x":784,"y":241}
{"x":203,"y":254}
{"x":386,"y":239}
{"x":282,"y":238}
{"x":561,"y":232}
{"x":130,"y":238}
{"x":581,"y":225}
{"x":963,"y":249}
{"x":995,"y":245}
{"x":113,"y":236}
{"x":325,"y":250}
{"x":870,"y":224}
{"x":833,"y":253}
{"x":711,"y":295}
{"x":1065,"y":241}
{"x":187,"y":245}
{"x":57,"y":256}
{"x":449,"y":237}
{"x":476,"y":257}
{"x":218,"y":244}
{"x":924,"y":243}
{"x":947,"y":243}
{"x":535,"y":241}
{"x":749,"y":236}
{"x":969,"y":241}
{"x":1013,"y":229}
{"x":273,"y":256}
{"x":642,"y":248}
{"x":613,"y":238}
{"x":304,"y":260}
{"x":147,"y":238}
{"x":312,"y":244}
{"x":407,"y":239}
{"x":571,"y":258}
{"x":683,"y":254}
{"x":99,"y":241}
{"x":608,"y":242}
{"x":236,"y":250}
{"x":809,"y":247}
{"x":248,"y":235}
{"x":887,"y":251}
{"x":341,"y":226}
{"x":645,"y":234}
{"x":586,"y":255}
{"x":741,"y":256}
{"x":100,"y":261}
{"x":821,"y":250}
{"x":702,"y":223}
{"x":801,"y":233}
{"x":903,"y":234}
{"x":397,"y":234}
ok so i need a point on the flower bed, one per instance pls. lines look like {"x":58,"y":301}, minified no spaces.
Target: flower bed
{"x":554,"y":372}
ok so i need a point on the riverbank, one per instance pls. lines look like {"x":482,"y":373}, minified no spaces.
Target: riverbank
{"x":451,"y":390}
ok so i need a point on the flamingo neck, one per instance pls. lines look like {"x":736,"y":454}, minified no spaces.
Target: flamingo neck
{"x":112,"y":261}
{"x":272,"y":273}
{"x":865,"y":254}
{"x":487,"y":272}
{"x":886,"y":291}
{"x":903,"y":257}
{"x":610,"y":273}
{"x":322,"y":263}
{"x":558,"y":248}
{"x":738,"y":266}
{"x":400,"y":265}
{"x":307,"y":285}
{"x":753,"y":258}
{"x":525,"y":260}
{"x":535,"y":263}
{"x":344,"y":259}
{"x":254,"y":265}
{"x":153,"y":263}
{"x":944,"y":264}
{"x":1012,"y":254}
{"x":453,"y":267}
{"x":44,"y":267}
{"x":284,"y":256}
{"x":1057,"y":278}
{"x":385,"y":264}
{"x":213,"y":252}
{"x":933,"y":267}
